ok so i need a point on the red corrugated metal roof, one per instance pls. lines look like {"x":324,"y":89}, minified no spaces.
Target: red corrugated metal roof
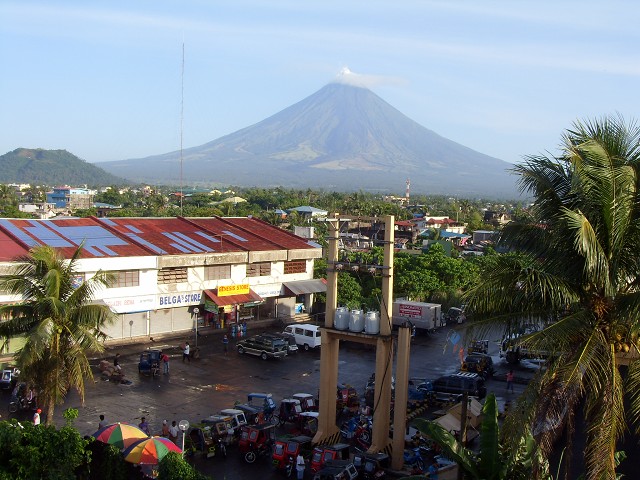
{"x":233,"y":299}
{"x":126,"y":237}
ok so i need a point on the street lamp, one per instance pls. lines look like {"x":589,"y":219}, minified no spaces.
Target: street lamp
{"x":196,"y":311}
{"x":183,"y":425}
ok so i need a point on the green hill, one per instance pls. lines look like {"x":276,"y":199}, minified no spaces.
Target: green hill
{"x":52,"y":167}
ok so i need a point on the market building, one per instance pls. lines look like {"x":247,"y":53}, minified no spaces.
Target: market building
{"x":175,"y":273}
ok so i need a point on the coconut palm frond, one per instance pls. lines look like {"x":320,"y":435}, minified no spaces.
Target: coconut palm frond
{"x":632,"y":388}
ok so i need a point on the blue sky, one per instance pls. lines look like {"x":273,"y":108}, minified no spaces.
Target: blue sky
{"x":506,"y":78}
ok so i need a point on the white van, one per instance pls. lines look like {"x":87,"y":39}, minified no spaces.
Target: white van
{"x":306,"y":335}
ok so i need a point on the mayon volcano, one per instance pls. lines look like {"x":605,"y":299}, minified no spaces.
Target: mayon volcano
{"x":343,"y":138}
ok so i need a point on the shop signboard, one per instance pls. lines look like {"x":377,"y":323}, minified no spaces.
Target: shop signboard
{"x":141,"y":303}
{"x":239,"y":289}
{"x":178,"y":299}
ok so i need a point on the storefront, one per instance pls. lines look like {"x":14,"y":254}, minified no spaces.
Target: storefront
{"x":231,"y":306}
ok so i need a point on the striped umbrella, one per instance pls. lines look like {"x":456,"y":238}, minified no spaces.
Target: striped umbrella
{"x":122,"y":435}
{"x":150,"y":451}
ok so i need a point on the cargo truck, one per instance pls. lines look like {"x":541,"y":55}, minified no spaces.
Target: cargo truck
{"x":422,"y":316}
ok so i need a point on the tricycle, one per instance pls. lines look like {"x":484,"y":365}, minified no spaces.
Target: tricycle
{"x":285,"y":452}
{"x":320,"y":455}
{"x":307,"y":402}
{"x":200,"y":439}
{"x":347,"y":399}
{"x":9,"y":378}
{"x":259,"y":407}
{"x":290,"y":410}
{"x":220,"y":427}
{"x":149,"y":362}
{"x":371,"y":466}
{"x":256,"y":441}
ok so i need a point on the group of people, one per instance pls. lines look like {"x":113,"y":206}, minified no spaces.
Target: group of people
{"x":172,"y":432}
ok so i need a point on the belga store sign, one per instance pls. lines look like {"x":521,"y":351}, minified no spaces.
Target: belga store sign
{"x":170,"y":300}
{"x":226,"y":290}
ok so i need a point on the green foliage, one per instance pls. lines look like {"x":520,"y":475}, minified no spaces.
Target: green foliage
{"x":107,"y":463}
{"x":58,"y":320}
{"x":577,"y":270}
{"x":174,"y":467}
{"x":349,"y":291}
{"x":30,"y":452}
{"x":70,"y":415}
{"x":51,"y":167}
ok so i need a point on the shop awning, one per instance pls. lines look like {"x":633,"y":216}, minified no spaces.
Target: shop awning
{"x":301,"y":287}
{"x":241,"y":299}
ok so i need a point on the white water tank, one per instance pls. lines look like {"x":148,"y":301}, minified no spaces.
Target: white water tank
{"x":356,"y":321}
{"x":341,"y":319}
{"x":372,"y":323}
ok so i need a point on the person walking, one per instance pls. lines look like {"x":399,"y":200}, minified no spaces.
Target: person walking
{"x":185,"y":352}
{"x":36,"y":417}
{"x":510,"y":381}
{"x":300,"y":466}
{"x":102,"y":423}
{"x":225,"y":343}
{"x":173,"y":432}
{"x":144,"y":426}
{"x":165,"y":363}
{"x":165,"y":429}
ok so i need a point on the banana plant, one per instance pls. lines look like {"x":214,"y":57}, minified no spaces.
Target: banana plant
{"x":494,"y":461}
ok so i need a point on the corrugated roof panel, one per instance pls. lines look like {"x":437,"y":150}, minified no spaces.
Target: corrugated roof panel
{"x":184,"y":243}
{"x":191,"y":241}
{"x":278,"y":236}
{"x":19,"y":234}
{"x":234,"y":235}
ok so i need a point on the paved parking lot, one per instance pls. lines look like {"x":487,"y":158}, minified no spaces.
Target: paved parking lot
{"x":195,"y":390}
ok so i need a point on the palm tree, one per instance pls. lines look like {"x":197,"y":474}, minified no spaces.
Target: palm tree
{"x":57,"y":320}
{"x":494,"y":461}
{"x":579,"y":277}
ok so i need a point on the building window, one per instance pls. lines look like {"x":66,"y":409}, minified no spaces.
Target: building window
{"x":172,"y":275}
{"x":259,"y":269}
{"x":125,"y":278}
{"x":217,"y":272}
{"x":297,"y":266}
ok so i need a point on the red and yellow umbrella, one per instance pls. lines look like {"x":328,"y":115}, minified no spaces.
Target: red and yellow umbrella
{"x":122,"y":435}
{"x":150,"y":451}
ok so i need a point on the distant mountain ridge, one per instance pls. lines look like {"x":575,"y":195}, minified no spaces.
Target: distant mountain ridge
{"x":52,"y":167}
{"x":340,"y":138}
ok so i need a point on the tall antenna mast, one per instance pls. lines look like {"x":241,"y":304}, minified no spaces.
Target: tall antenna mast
{"x":181,"y":125}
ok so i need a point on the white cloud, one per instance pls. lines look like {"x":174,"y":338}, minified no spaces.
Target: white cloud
{"x":348,"y":77}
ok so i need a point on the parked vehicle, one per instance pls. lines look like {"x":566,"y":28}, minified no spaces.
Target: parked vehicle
{"x":307,"y":336}
{"x":347,"y":398}
{"x":259,"y":406}
{"x":285,"y":452}
{"x":478,"y":346}
{"x":238,"y":419}
{"x":19,"y":401}
{"x":322,"y":454}
{"x":478,"y":363}
{"x":514,"y":349}
{"x":220,"y":427}
{"x":289,"y":340}
{"x":420,"y":315}
{"x":416,"y":457}
{"x":451,"y":387}
{"x":307,"y":401}
{"x":371,"y":466}
{"x":337,"y":470}
{"x":256,"y":441}
{"x":289,"y":412}
{"x":9,"y":378}
{"x":149,"y":362}
{"x":307,"y":423}
{"x":455,"y":315}
{"x":263,"y":346}
{"x":200,"y":439}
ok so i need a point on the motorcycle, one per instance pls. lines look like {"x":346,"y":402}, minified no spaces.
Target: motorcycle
{"x":416,"y":457}
{"x":19,"y":402}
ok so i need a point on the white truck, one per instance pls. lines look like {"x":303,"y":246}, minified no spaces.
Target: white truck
{"x":422,"y":316}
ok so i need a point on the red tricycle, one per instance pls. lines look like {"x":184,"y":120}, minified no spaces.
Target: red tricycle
{"x":285,"y":452}
{"x":339,"y":451}
{"x":289,"y":412}
{"x":256,"y":440}
{"x":307,"y":402}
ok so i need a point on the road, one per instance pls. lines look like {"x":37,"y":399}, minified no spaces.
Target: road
{"x":195,"y":390}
